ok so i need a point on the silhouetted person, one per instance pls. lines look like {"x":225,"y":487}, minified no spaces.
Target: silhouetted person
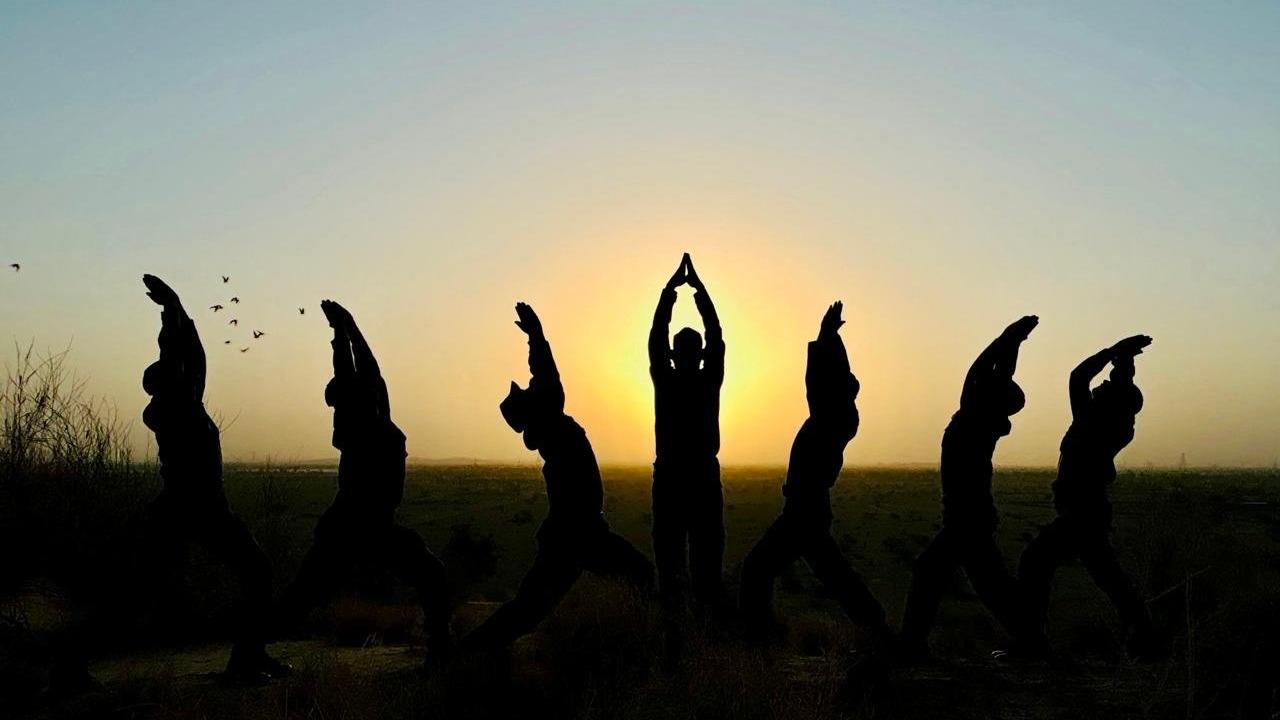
{"x":360,"y":526}
{"x":804,"y":528}
{"x":574,"y":536}
{"x":688,"y":502}
{"x":1102,"y":424}
{"x":967,"y":538}
{"x":193,"y":505}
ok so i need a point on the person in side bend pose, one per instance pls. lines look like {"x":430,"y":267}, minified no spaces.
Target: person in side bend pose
{"x":360,"y":525}
{"x":967,"y":538}
{"x":688,"y":502}
{"x":193,"y":504}
{"x":1102,"y":424}
{"x":804,"y":528}
{"x":574,"y":536}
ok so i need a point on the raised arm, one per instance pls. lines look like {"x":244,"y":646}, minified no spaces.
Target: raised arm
{"x":545,"y":378}
{"x":1082,"y":377}
{"x":660,"y":332}
{"x":997,"y":363}
{"x":366,"y":367}
{"x":343,"y":364}
{"x":713,"y":354}
{"x":827,"y":371}
{"x":178,"y":340}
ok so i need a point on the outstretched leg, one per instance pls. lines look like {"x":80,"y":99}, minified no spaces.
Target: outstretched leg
{"x":985,"y":566}
{"x":418,"y":567}
{"x":229,"y":539}
{"x":1099,"y":558}
{"x":609,"y":554}
{"x":929,"y":578}
{"x":777,"y":548}
{"x":555,"y":570}
{"x":1039,"y":561}
{"x":845,"y":584}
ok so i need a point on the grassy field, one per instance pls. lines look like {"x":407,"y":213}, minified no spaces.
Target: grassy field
{"x":1202,"y":546}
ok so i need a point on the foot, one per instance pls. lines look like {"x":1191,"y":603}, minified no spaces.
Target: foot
{"x":867,"y":678}
{"x":1022,"y":651}
{"x":254,"y":667}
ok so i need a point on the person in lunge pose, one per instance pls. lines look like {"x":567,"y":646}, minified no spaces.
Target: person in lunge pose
{"x":804,"y":528}
{"x":688,"y":502}
{"x":1102,"y":424}
{"x":990,"y":397}
{"x":360,"y":526}
{"x":574,"y":536}
{"x":193,"y":506}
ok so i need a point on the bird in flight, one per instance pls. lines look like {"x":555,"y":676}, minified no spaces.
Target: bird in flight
{"x":244,"y":350}
{"x":226,"y":342}
{"x":226,"y":278}
{"x":215,"y":308}
{"x":234,"y":322}
{"x":16,"y":267}
{"x":302,"y":311}
{"x":257,"y":334}
{"x":235,"y":300}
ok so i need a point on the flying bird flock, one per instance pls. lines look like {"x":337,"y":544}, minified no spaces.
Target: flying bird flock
{"x":234,"y":322}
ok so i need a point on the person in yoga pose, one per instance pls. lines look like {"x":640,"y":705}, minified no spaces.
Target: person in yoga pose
{"x":360,"y":525}
{"x":1102,"y":424}
{"x":192,"y":506}
{"x":574,"y":536}
{"x":990,"y":397}
{"x":804,"y":528}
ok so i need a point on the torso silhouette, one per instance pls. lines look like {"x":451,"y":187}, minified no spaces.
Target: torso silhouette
{"x":1102,"y":424}
{"x":371,"y":468}
{"x":687,"y":411}
{"x":575,"y":493}
{"x":188,"y":446}
{"x":817,"y":454}
{"x":968,"y":444}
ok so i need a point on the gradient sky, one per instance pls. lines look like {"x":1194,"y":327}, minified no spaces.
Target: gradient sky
{"x":942,"y":168}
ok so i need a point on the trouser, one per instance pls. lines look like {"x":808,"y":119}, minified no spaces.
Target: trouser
{"x":563,"y":554}
{"x":1083,"y":536}
{"x":792,"y":536}
{"x":688,"y":534}
{"x":172,"y":522}
{"x":975,"y":550}
{"x":342,"y":542}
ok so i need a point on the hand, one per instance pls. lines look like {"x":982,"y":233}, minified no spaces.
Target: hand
{"x":1022,"y":327}
{"x":159,"y":292}
{"x":1131,"y":346}
{"x":691,"y":275}
{"x":336,"y":314}
{"x":831,"y":322}
{"x":680,"y":277}
{"x":528,"y":321}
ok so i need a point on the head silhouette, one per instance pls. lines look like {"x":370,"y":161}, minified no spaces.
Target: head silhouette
{"x":1116,"y":404}
{"x":518,"y":410}
{"x":356,"y":410}
{"x":686,"y":349}
{"x":1014,"y":399}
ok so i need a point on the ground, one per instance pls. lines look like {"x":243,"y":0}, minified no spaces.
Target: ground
{"x":1202,"y":547}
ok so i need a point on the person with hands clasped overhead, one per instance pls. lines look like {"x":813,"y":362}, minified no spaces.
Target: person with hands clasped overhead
{"x":1102,"y":424}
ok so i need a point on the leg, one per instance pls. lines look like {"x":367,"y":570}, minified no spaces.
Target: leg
{"x":317,"y":579}
{"x":706,"y":542}
{"x":1036,"y":568}
{"x":669,"y":545}
{"x":417,"y":566}
{"x":609,"y":554}
{"x":848,"y":587}
{"x":554,"y":571}
{"x":1099,"y":558}
{"x":928,"y":580}
{"x":777,"y":549}
{"x":985,"y":566}
{"x":229,"y":539}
